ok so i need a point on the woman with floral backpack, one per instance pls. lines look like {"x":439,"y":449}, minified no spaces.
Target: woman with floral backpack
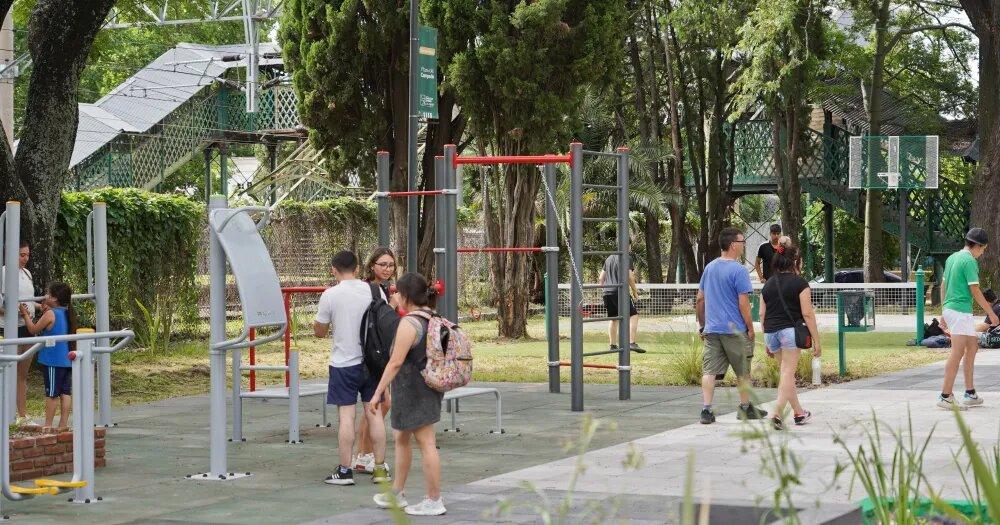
{"x":416,"y":407}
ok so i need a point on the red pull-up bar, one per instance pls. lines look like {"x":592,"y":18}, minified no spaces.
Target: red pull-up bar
{"x":513,"y":159}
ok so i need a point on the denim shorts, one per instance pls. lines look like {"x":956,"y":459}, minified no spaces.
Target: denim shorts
{"x":783,"y":339}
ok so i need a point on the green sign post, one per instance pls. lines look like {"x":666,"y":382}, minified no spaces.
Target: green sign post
{"x":427,"y":89}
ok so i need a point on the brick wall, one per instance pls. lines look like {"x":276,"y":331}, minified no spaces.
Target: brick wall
{"x":47,"y":453}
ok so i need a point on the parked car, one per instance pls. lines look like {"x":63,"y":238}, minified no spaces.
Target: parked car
{"x":857,"y":276}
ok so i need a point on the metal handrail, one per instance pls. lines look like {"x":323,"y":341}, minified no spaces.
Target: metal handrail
{"x":243,"y":342}
{"x":243,"y":209}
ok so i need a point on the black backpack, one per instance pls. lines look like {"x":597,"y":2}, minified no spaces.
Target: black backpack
{"x":378,"y":329}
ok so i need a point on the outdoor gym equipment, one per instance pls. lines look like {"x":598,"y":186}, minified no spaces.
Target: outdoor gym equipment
{"x":446,"y":249}
{"x":97,"y":291}
{"x":235,"y":236}
{"x":83,"y":359}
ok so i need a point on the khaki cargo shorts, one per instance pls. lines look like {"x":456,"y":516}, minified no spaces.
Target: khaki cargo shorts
{"x":725,"y":350}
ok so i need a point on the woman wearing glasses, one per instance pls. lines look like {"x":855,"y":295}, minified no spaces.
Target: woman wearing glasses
{"x":381,"y":270}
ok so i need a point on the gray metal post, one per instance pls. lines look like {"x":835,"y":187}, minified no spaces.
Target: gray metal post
{"x":624,"y":293}
{"x":208,"y":174}
{"x":272,"y":166}
{"x":828,"y":262}
{"x":217,"y":358}
{"x":904,"y":242}
{"x":382,"y":180}
{"x":11,"y":260}
{"x":293,"y":396}
{"x":412,"y":216}
{"x":552,"y":280}
{"x":451,"y":233}
{"x":440,"y":257}
{"x":576,"y":293}
{"x":85,"y":352}
{"x":102,"y":301}
{"x":224,"y":169}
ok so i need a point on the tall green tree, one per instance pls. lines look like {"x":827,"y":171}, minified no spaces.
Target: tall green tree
{"x":784,"y":43}
{"x":896,"y":29}
{"x":520,"y":80}
{"x":985,"y":18}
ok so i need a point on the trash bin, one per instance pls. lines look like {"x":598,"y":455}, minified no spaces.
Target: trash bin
{"x":854,"y":306}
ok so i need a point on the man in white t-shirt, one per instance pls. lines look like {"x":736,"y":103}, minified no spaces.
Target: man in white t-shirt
{"x":343,"y":306}
{"x":25,"y":289}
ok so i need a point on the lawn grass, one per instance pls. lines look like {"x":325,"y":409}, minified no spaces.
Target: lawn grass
{"x":672,"y":358}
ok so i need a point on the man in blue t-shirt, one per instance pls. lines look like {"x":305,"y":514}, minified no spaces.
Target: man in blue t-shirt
{"x":723,"y":310}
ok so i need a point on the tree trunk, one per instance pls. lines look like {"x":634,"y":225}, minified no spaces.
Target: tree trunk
{"x":60,"y":36}
{"x":874,"y":247}
{"x":509,"y":221}
{"x":985,"y":18}
{"x":398,"y":109}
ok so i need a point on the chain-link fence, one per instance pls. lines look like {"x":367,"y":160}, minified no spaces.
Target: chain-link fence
{"x":666,"y":300}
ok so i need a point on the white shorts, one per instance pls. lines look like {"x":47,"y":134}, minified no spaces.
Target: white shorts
{"x":959,"y":323}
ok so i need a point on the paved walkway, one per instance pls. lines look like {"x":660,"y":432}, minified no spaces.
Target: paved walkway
{"x":156,"y":444}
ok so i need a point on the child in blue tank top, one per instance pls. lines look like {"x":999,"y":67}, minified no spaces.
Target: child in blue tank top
{"x":58,"y":319}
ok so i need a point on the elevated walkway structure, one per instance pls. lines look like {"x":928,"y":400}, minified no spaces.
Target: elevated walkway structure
{"x":936,"y":219}
{"x":174,"y":108}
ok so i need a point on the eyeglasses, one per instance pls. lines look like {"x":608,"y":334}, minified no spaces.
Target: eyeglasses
{"x":743,"y":241}
{"x":386,"y":265}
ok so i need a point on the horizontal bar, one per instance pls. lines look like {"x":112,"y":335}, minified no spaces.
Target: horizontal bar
{"x":501,"y":249}
{"x":272,"y":368}
{"x":75,"y":297}
{"x":693,"y":287}
{"x":602,"y":352}
{"x":601,"y":187}
{"x":263,"y":395}
{"x":601,"y":219}
{"x":513,"y":159}
{"x":601,"y":319}
{"x":591,"y":365}
{"x":303,"y":289}
{"x":603,"y":252}
{"x":601,"y":153}
{"x":413,"y":193}
{"x":601,"y":286}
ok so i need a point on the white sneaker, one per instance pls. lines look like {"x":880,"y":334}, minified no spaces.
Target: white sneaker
{"x":948,"y":403}
{"x":427,"y":507}
{"x":388,"y":500}
{"x":972,"y":400}
{"x":364,"y":463}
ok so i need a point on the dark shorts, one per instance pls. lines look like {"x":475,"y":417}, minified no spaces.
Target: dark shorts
{"x":611,"y":304}
{"x":58,"y":381}
{"x":22,"y":331}
{"x":349,"y":382}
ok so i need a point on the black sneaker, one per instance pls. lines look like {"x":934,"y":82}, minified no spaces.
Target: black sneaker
{"x":750,"y":412}
{"x":803,"y":418}
{"x":341,"y":476}
{"x":636,"y":348}
{"x":707,"y":417}
{"x":613,"y":348}
{"x":778,"y":423}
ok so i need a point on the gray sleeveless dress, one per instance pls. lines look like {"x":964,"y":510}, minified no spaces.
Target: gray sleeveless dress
{"x":414,"y":404}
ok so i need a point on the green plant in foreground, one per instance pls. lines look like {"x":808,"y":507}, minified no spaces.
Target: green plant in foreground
{"x":986,"y":481}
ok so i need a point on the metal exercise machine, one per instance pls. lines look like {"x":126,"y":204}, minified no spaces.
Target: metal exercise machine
{"x":97,"y":291}
{"x":235,"y":237}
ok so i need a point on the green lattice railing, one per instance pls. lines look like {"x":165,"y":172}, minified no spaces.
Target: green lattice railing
{"x":936,"y":219}
{"x":143,"y":160}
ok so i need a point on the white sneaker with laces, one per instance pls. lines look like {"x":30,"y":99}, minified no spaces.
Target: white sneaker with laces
{"x":388,"y":500}
{"x":364,"y":463}
{"x":427,"y":507}
{"x":948,"y":403}
{"x":972,"y":400}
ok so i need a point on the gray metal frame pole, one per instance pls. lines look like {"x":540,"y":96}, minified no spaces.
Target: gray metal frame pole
{"x":552,"y":280}
{"x":217,"y":324}
{"x":828,"y":262}
{"x":576,"y":293}
{"x":904,"y":244}
{"x":382,"y":181}
{"x":11,"y":251}
{"x":624,"y":295}
{"x":86,"y":493}
{"x":208,"y":174}
{"x":412,"y":215}
{"x":440,"y":257}
{"x":451,"y":233}
{"x":224,"y":169}
{"x":102,"y":301}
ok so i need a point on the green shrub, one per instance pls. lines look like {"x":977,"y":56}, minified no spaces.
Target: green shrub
{"x":684,"y":367}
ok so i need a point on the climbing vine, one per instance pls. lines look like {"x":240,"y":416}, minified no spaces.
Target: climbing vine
{"x":153,"y":246}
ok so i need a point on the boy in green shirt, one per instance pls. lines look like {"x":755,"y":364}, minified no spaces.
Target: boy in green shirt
{"x":959,"y":288}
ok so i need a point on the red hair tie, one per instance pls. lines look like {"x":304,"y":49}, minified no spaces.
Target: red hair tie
{"x":780,"y":249}
{"x":438,"y":287}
